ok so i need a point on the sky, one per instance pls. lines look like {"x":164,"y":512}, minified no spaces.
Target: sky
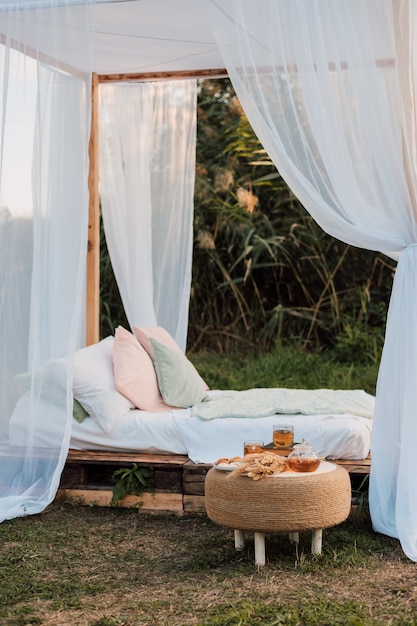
{"x":17,"y":107}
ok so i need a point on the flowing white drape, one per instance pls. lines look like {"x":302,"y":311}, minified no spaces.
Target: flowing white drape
{"x":44,"y":133}
{"x":147,"y":169}
{"x":329,"y":88}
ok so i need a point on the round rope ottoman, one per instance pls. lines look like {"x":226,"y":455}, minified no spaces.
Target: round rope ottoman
{"x":286,"y":503}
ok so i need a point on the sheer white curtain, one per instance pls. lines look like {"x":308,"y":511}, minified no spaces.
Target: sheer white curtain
{"x":329,"y":88}
{"x":44,"y":133}
{"x":147,"y":169}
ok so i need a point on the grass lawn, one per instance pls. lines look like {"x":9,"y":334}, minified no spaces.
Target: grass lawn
{"x":90,"y":566}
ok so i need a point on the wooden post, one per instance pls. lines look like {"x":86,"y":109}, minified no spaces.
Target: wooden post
{"x":93,"y":248}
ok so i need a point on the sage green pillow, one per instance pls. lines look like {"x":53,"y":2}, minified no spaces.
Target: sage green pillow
{"x":79,"y":412}
{"x":179,"y":382}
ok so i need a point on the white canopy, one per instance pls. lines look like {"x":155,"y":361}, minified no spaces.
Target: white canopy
{"x":129,"y":36}
{"x":330,"y":89}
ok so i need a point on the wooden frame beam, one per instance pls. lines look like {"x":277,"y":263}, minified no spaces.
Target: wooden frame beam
{"x":174,"y":75}
{"x":93,"y":246}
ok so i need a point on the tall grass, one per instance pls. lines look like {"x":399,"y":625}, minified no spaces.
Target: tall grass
{"x":263,"y":270}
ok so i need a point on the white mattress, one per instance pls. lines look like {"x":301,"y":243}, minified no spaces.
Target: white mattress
{"x":138,"y":431}
{"x":340,"y":436}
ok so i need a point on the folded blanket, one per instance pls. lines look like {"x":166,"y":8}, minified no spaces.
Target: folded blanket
{"x":254,"y":403}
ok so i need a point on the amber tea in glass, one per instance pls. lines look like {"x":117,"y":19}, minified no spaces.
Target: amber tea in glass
{"x":253,"y":447}
{"x":283,"y":435}
{"x":303,"y":465}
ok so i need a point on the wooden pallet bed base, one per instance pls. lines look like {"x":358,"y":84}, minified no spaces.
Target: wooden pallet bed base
{"x":86,"y":457}
{"x":179,"y":482}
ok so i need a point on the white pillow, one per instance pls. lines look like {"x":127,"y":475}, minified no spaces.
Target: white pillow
{"x":94,"y":385}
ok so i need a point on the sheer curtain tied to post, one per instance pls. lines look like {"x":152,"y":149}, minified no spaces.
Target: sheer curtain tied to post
{"x":329,"y":88}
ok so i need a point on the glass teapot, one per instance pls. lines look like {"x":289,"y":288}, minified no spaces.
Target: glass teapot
{"x":303,"y":458}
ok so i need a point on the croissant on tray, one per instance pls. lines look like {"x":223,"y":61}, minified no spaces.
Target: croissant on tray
{"x":227,"y":461}
{"x":257,"y":466}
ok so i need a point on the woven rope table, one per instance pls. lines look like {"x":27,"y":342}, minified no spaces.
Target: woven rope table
{"x":287,"y":503}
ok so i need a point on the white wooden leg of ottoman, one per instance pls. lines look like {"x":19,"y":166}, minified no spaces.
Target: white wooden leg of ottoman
{"x":239,"y":540}
{"x":259,"y":540}
{"x":316,"y":541}
{"x":294,"y":537}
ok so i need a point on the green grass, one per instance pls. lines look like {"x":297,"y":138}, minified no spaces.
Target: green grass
{"x":314,"y":613}
{"x":86,"y":566}
{"x":284,"y":367}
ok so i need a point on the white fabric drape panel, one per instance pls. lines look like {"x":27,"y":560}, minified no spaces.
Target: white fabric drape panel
{"x":329,"y":89}
{"x":147,"y":170}
{"x":44,"y":134}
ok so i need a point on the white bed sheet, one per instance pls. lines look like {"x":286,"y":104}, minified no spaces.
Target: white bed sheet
{"x":332,"y":436}
{"x":341,"y":436}
{"x":137,"y":430}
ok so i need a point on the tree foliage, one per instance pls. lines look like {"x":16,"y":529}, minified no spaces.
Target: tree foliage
{"x":263,"y":270}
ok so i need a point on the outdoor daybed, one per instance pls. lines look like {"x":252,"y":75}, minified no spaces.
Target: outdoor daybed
{"x":200,"y":423}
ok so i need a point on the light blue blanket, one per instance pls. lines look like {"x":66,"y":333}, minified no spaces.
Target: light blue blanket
{"x":254,"y":403}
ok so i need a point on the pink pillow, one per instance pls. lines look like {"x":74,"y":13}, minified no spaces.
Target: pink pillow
{"x":134,"y":373}
{"x":144,"y":336}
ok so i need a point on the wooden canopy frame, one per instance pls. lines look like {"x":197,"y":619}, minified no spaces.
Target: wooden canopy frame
{"x":93,"y":245}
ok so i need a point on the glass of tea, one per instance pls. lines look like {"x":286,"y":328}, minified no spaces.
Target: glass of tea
{"x":283,"y":435}
{"x":254,"y":446}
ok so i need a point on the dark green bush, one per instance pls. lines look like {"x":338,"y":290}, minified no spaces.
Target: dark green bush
{"x":263,"y":269}
{"x":112,"y":312}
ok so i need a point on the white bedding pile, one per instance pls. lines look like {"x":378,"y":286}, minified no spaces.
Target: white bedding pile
{"x":253,"y":403}
{"x":335,"y":433}
{"x":332,"y":436}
